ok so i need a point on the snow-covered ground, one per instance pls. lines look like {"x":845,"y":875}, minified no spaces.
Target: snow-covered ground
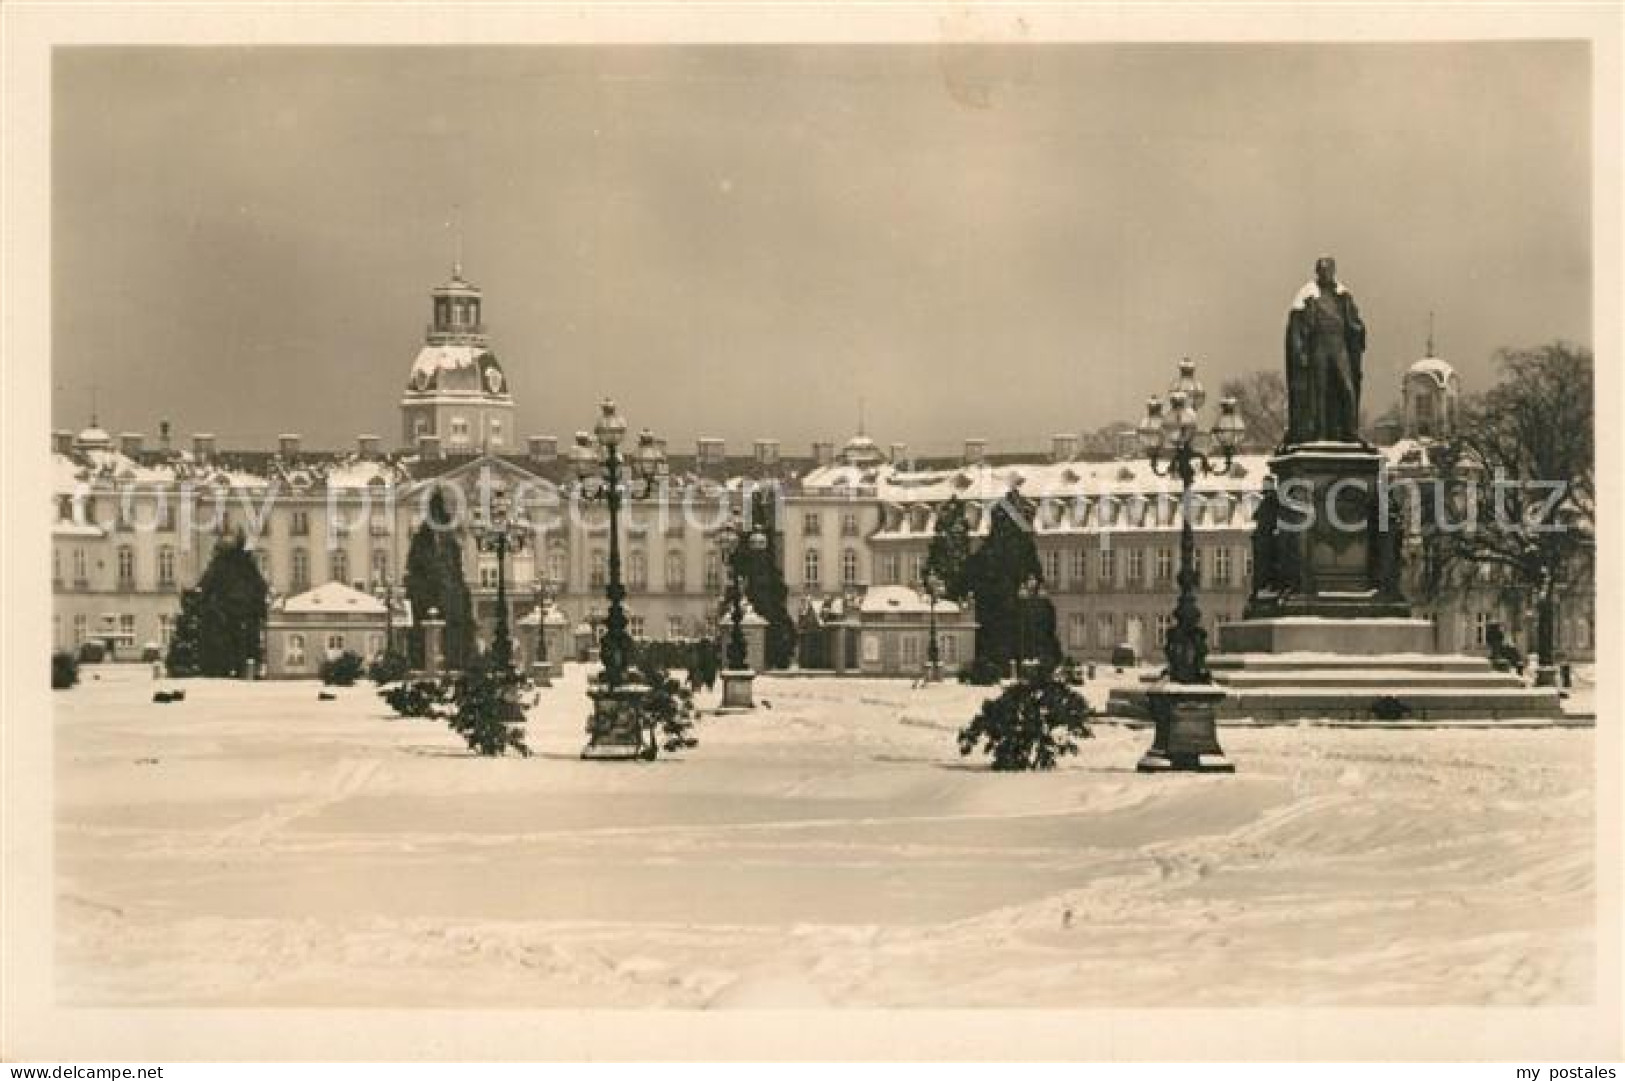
{"x":253,"y":846}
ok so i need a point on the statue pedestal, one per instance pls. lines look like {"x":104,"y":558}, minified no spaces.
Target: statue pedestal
{"x":1334,"y":551}
{"x":615,"y":729}
{"x":736,"y":689}
{"x":1187,"y":738}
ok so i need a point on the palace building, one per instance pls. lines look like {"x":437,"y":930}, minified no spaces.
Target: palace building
{"x":135,"y":522}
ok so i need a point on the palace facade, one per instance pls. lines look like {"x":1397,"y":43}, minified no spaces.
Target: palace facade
{"x":135,"y":521}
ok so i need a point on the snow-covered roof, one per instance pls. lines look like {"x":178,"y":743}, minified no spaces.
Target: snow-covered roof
{"x":334,"y":598}
{"x":901,"y":600}
{"x":92,"y":436}
{"x":1441,"y":372}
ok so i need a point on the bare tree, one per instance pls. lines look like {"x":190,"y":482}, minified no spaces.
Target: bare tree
{"x":1520,"y":480}
{"x":1261,"y":401}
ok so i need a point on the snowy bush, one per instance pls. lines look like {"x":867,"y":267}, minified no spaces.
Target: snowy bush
{"x":981,"y":672}
{"x":92,"y":652}
{"x":668,"y":713}
{"x":1030,"y":725}
{"x":341,"y":671}
{"x":477,"y":697}
{"x":64,"y":670}
{"x":389,"y":668}
{"x":417,"y":698}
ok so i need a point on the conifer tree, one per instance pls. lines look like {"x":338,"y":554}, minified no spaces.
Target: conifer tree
{"x":763,"y":580}
{"x":950,"y":552}
{"x":1008,"y":624}
{"x":231,"y":609}
{"x":182,"y":659}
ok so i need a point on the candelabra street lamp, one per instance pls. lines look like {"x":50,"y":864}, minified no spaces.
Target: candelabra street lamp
{"x":738,"y":678}
{"x":611,"y":475}
{"x":932,"y":581}
{"x":541,"y":669}
{"x":1185,"y":702}
{"x":498,"y":531}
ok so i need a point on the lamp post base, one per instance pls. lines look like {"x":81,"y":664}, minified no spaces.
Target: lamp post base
{"x":933,"y":672}
{"x":615,"y":729}
{"x":541,"y":673}
{"x":737,"y":687}
{"x":1187,"y":738}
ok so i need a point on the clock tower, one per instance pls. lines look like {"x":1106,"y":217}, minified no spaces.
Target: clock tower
{"x":457,"y":390}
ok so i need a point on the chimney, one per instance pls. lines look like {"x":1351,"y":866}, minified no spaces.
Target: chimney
{"x":899,"y":453}
{"x":975,"y":451}
{"x":288,"y":445}
{"x":129,"y":444}
{"x":1063,"y":448}
{"x":711,"y":451}
{"x":767,"y":451}
{"x":203,"y":446}
{"x":543,"y":448}
{"x":62,"y":441}
{"x":824,"y":453}
{"x":163,"y":434}
{"x":367,"y":446}
{"x":429,"y":447}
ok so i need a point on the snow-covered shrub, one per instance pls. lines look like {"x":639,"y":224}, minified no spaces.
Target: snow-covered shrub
{"x":389,"y":668}
{"x":341,"y":671}
{"x":92,"y":652}
{"x":1030,"y":725}
{"x":478,"y":696}
{"x":64,"y":670}
{"x":668,"y":713}
{"x":981,"y":672}
{"x":417,"y":698}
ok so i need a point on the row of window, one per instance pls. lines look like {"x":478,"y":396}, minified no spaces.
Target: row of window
{"x":812,"y":524}
{"x":294,"y":656}
{"x":1107,"y":630}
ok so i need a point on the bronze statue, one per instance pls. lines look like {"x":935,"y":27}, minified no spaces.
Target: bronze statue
{"x":1325,"y":339}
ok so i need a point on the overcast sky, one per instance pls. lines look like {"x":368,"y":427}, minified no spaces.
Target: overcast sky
{"x":744,"y":242}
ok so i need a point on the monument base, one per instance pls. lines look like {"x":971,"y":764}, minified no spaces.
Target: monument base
{"x":1187,"y":738}
{"x":736,"y":689}
{"x":615,"y":729}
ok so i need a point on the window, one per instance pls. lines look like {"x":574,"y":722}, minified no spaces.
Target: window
{"x":299,"y":525}
{"x":339,"y":565}
{"x":1165,"y":564}
{"x":1136,"y":566}
{"x":1052,"y":567}
{"x":1108,"y":565}
{"x":1481,"y":625}
{"x":555,"y":569}
{"x":81,"y":631}
{"x":913,"y":567}
{"x":79,"y":572}
{"x":380,"y":566}
{"x":166,"y":566}
{"x":1221,"y":566}
{"x":1165,"y":623}
{"x":911,"y":650}
{"x":871,"y":649}
{"x":56,"y":564}
{"x":293,"y":655}
{"x":637,"y":571}
{"x":849,"y":525}
{"x":812,"y":525}
{"x":1105,"y":630}
{"x":889,"y":569}
{"x":126,"y":628}
{"x":809,"y":568}
{"x":1247,"y":564}
{"x":596,"y":576}
{"x":634,"y":626}
{"x":674,"y":626}
{"x":1077,"y":631}
{"x":459,"y":429}
{"x":378,"y":525}
{"x":713,"y":570}
{"x":1080,"y":564}
{"x":301,"y":570}
{"x":948,"y":649}
{"x":335,"y":644}
{"x":849,"y":567}
{"x":375,"y":645}
{"x":488,"y":572}
{"x":166,"y":629}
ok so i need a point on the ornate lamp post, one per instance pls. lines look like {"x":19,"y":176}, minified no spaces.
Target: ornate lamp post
{"x":737,"y":679}
{"x":541,"y":670}
{"x":1027,"y":592}
{"x":932,"y":581}
{"x":496,"y":530}
{"x":1185,"y":703}
{"x":610,"y":474}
